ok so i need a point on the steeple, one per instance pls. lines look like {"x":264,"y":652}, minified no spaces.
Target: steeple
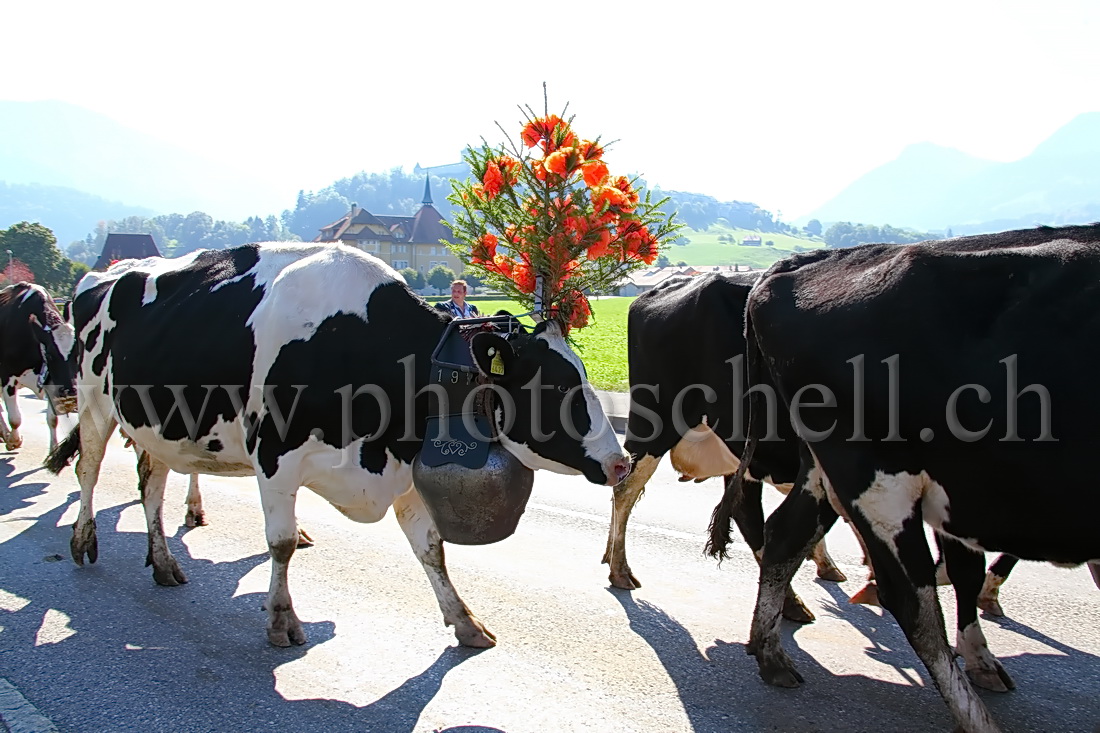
{"x":427,"y":191}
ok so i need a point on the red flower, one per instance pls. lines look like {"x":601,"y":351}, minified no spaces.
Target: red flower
{"x":595,"y":172}
{"x":524,"y":278}
{"x":601,"y":246}
{"x":485,"y":249}
{"x":492,"y":180}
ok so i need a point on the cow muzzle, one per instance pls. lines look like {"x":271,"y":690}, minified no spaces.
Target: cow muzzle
{"x":616,"y":469}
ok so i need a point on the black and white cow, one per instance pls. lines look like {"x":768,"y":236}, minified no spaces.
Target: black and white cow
{"x":36,"y":352}
{"x":684,"y":402}
{"x":950,"y":383}
{"x":304,"y":365}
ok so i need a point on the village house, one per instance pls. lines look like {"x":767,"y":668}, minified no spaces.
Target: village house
{"x":400,"y":241}
{"x":126,"y":247}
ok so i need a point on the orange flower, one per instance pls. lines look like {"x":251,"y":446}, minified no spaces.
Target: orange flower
{"x":606,"y":196}
{"x":551,"y":131}
{"x":630,"y":196}
{"x":503,"y":265}
{"x":509,"y":169}
{"x":492,"y":180}
{"x":561,"y":161}
{"x":595,"y":172}
{"x":524,"y":278}
{"x":601,"y":246}
{"x":485,"y":249}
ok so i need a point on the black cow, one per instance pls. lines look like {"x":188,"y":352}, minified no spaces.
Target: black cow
{"x":304,"y":365}
{"x":36,"y":352}
{"x":683,"y":399}
{"x":951,"y":383}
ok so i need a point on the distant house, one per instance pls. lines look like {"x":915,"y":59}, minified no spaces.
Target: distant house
{"x":752,"y":240}
{"x":126,"y":247}
{"x":400,"y":241}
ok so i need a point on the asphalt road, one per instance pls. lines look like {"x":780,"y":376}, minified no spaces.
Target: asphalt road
{"x":102,"y":648}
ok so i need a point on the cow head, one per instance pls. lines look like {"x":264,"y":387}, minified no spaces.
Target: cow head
{"x":57,"y":340}
{"x":548,"y":415}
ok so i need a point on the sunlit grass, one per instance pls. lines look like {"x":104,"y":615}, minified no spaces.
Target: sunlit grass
{"x":601,"y":345}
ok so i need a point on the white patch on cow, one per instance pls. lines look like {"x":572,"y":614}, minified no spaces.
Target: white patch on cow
{"x":29,"y":379}
{"x":701,"y":454}
{"x":891,"y":499}
{"x":600,"y":443}
{"x":312,"y":283}
{"x":533,"y":460}
{"x":33,"y":289}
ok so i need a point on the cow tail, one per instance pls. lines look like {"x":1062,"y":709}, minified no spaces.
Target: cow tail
{"x":63,"y":454}
{"x":721,"y":518}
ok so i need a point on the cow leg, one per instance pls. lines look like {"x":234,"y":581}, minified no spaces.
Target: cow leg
{"x":966,"y":569}
{"x":626,"y":494}
{"x":51,"y":423}
{"x":989,"y":600}
{"x":748,"y":514}
{"x":422,"y":534}
{"x":12,"y":438}
{"x":826,"y":568}
{"x":93,"y":444}
{"x":906,"y":577}
{"x":280,"y":526}
{"x":152,"y":477}
{"x":792,"y":529}
{"x":195,"y":515}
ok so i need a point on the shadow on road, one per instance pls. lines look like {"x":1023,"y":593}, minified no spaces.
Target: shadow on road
{"x":201,"y":642}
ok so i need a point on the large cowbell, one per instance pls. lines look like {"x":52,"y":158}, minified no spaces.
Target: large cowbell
{"x":474,"y":488}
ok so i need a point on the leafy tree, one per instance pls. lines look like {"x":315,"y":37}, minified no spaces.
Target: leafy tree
{"x":662,"y":261}
{"x":813,"y":226}
{"x":440,"y":277}
{"x":36,"y":247}
{"x":472,"y":278}
{"x":414,"y":278}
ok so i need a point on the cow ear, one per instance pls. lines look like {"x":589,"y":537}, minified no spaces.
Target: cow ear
{"x":41,"y":333}
{"x":493,"y":355}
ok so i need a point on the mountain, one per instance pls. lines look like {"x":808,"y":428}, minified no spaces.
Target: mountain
{"x":59,"y":144}
{"x":71,"y":214}
{"x":929,"y":187}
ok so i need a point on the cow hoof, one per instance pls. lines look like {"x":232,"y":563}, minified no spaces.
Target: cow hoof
{"x":474,"y":634}
{"x":15,"y":443}
{"x":991,"y":606}
{"x":866,"y":596}
{"x":624,"y":579}
{"x":286,"y":630}
{"x":832,"y":574}
{"x":795,"y":610}
{"x":84,"y":542}
{"x":778,"y":670}
{"x":171,"y":575}
{"x":195,"y":518}
{"x":304,"y":540}
{"x":995,"y":679}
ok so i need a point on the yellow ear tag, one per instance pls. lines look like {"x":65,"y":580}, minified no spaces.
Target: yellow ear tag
{"x":497,"y":365}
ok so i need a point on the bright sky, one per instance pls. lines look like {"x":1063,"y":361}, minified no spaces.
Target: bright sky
{"x":777,"y":102}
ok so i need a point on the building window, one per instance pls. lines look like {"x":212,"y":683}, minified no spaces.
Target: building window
{"x":400,"y":264}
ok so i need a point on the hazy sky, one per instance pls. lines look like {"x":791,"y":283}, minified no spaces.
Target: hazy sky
{"x":780,"y":103}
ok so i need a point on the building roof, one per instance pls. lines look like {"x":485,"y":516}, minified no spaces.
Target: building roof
{"x":427,"y":226}
{"x":126,"y":247}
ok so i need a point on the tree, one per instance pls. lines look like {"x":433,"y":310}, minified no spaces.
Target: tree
{"x":35,"y":246}
{"x":440,"y":277}
{"x":813,"y":226}
{"x":413,"y":278}
{"x":662,"y":261}
{"x":472,"y":278}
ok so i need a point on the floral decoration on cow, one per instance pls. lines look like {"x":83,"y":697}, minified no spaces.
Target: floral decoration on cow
{"x":547,"y":223}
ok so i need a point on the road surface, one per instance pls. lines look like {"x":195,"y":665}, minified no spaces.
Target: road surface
{"x":102,"y":648}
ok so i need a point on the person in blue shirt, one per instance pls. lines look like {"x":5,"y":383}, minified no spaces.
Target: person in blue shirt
{"x":457,"y":305}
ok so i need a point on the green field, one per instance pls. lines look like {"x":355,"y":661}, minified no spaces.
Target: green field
{"x":602,"y":345}
{"x":705,"y":249}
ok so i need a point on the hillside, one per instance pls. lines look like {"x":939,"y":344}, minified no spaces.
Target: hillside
{"x":929,"y":187}
{"x":71,"y":214}
{"x":59,"y":144}
{"x":705,"y":248}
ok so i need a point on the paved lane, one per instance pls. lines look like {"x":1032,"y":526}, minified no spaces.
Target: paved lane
{"x":101,"y":648}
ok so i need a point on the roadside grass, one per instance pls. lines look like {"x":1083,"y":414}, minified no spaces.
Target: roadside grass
{"x":601,"y":345}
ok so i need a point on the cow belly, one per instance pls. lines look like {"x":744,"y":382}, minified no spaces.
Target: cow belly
{"x":215,"y":455}
{"x":336,"y":476}
{"x":701,"y":454}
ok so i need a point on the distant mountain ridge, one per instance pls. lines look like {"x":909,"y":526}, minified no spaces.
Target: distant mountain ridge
{"x":60,"y":144}
{"x":69,"y":213}
{"x":930,"y":187}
